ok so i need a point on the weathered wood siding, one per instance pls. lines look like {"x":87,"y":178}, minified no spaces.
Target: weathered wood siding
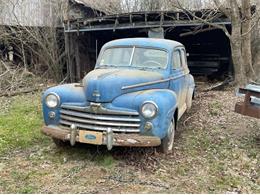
{"x":29,"y":12}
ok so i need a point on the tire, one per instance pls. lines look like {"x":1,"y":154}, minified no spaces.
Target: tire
{"x":189,"y":98}
{"x":60,"y":143}
{"x":166,"y":146}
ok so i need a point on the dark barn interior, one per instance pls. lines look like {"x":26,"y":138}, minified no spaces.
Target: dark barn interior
{"x":208,"y":48}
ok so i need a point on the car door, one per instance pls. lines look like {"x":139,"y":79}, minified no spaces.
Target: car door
{"x":178,"y":81}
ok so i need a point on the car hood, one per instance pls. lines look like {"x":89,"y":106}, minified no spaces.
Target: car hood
{"x":103,"y":85}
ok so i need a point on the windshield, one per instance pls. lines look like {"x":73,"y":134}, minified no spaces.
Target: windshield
{"x":134,"y":56}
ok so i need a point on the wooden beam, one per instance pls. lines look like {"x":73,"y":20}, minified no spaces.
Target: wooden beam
{"x":68,"y":54}
{"x":77,"y":59}
{"x":197,"y":31}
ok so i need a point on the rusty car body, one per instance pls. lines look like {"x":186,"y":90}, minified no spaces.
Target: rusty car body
{"x":251,"y":104}
{"x":136,"y":94}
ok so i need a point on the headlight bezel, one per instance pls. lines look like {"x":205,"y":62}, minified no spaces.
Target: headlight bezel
{"x":57,"y":98}
{"x":151,"y":103}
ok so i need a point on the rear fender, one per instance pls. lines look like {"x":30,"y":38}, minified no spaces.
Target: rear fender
{"x":190,"y":92}
{"x":191,"y":83}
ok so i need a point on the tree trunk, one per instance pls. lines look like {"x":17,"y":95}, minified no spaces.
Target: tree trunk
{"x":237,"y":60}
{"x":236,"y":43}
{"x":256,"y":54}
{"x":256,"y":44}
{"x":246,"y":39}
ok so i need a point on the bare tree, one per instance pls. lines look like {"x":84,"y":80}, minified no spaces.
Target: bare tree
{"x":256,"y":42}
{"x":37,"y":44}
{"x":245,"y":25}
{"x":40,"y":46}
{"x":242,"y":23}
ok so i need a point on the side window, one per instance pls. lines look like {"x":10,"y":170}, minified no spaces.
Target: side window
{"x":177,"y":59}
{"x":183,"y":59}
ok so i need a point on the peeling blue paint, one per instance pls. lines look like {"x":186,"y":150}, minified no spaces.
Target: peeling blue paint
{"x":106,"y":87}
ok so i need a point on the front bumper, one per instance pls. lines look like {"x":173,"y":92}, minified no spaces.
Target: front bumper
{"x":109,"y":139}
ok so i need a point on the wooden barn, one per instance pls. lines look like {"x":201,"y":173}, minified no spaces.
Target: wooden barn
{"x":18,"y":17}
{"x":208,"y":47}
{"x":38,"y":13}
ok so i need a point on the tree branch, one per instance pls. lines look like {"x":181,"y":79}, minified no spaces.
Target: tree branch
{"x":204,"y":21}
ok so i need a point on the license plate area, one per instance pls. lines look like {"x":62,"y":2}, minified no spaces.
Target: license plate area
{"x":91,"y":137}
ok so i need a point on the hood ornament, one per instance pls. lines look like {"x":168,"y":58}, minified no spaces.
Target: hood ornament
{"x":95,"y":107}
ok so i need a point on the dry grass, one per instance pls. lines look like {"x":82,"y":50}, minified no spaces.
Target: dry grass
{"x":215,"y":152}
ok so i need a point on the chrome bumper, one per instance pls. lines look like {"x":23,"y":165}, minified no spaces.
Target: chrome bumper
{"x":110,"y":138}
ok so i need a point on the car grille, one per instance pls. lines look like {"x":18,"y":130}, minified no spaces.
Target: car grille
{"x":97,"y":118}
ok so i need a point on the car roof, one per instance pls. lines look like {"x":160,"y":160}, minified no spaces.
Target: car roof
{"x":144,"y":42}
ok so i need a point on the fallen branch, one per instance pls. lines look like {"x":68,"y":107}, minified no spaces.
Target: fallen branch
{"x":4,"y":73}
{"x":220,"y":85}
{"x":5,"y":65}
{"x":254,"y":82}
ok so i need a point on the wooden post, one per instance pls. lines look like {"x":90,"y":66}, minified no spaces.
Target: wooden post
{"x":77,"y":59}
{"x":68,"y":54}
{"x":72,"y":57}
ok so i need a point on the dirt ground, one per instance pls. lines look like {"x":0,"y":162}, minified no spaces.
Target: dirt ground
{"x":216,"y":151}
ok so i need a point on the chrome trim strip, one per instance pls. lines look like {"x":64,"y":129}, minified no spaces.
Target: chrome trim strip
{"x":99,"y":110}
{"x":98,"y":117}
{"x":145,"y":84}
{"x":94,"y":122}
{"x":150,"y":83}
{"x":96,"y":128}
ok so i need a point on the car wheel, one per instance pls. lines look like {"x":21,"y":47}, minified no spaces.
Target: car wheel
{"x":189,"y":98}
{"x":60,"y":143}
{"x":166,"y":146}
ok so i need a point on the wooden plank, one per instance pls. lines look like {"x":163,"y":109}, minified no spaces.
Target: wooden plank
{"x":68,"y":59}
{"x":77,"y":58}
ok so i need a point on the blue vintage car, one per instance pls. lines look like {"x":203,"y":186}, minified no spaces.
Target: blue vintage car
{"x":136,"y":94}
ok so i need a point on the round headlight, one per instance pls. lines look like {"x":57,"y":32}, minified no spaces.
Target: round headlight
{"x":149,"y":109}
{"x":52,"y":100}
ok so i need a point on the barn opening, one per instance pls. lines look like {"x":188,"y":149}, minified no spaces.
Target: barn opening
{"x":208,"y":48}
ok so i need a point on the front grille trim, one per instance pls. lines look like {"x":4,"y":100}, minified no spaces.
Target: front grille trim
{"x":98,"y":118}
{"x":95,"y":122}
{"x":100,"y":110}
{"x":99,"y":128}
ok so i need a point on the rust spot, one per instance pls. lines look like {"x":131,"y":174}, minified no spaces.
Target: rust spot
{"x":246,"y":107}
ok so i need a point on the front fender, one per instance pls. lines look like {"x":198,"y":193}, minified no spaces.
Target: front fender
{"x":166,"y":101}
{"x":68,"y":93}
